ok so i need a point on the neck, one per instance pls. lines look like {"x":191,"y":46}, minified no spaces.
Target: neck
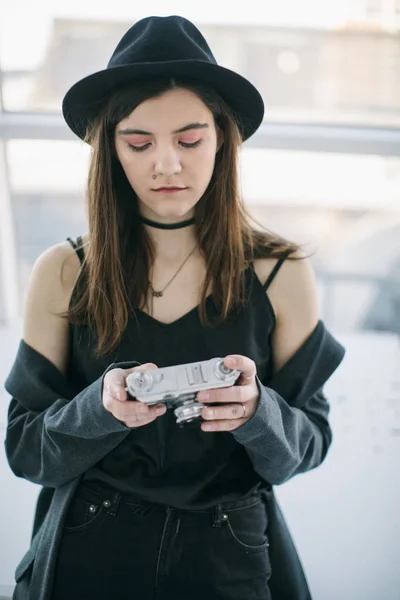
{"x":172,"y":245}
{"x":169,"y":226}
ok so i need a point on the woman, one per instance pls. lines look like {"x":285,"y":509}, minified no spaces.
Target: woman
{"x":171,"y":272}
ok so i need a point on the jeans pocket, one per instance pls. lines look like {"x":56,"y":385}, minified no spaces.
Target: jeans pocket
{"x":84,"y":512}
{"x":247,"y":527}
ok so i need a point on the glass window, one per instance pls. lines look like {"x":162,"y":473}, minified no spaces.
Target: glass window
{"x":47,"y":181}
{"x":345,"y":208}
{"x":313,"y":62}
{"x":342,"y":207}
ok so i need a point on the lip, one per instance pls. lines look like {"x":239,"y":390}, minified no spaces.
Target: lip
{"x":169,"y":190}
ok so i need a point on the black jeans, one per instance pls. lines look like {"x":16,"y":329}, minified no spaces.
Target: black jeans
{"x":118,"y":548}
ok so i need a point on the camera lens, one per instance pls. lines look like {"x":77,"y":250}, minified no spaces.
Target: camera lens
{"x":188,"y":414}
{"x":188,"y":423}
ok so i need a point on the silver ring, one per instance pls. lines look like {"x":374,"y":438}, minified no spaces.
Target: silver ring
{"x":244,"y":410}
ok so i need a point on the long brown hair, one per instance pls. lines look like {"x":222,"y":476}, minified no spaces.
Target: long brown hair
{"x":114,"y":277}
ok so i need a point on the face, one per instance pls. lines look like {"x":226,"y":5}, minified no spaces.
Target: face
{"x":174,"y":137}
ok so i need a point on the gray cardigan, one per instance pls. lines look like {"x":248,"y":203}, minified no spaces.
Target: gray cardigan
{"x":55,"y":435}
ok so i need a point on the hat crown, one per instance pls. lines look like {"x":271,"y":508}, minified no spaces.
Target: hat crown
{"x":161,"y":39}
{"x":161,"y":47}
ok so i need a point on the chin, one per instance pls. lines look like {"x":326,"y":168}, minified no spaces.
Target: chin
{"x":173,"y":215}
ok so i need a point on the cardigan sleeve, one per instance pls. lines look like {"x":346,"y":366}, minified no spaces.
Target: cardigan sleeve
{"x":290,"y":433}
{"x":53,"y":435}
{"x":283,"y":441}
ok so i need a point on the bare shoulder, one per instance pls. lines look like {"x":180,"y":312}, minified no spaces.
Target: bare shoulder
{"x":293,"y":285}
{"x":54,"y":274}
{"x":48,"y":293}
{"x":293,"y":295}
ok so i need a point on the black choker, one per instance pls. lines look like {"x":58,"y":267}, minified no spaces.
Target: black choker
{"x":167,"y":225}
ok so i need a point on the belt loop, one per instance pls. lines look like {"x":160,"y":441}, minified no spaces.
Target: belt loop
{"x":112,"y":507}
{"x":216,"y":516}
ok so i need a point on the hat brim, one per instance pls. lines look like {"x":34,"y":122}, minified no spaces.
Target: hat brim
{"x":83,"y":100}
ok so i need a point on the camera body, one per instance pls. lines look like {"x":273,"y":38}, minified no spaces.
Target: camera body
{"x":177,"y":386}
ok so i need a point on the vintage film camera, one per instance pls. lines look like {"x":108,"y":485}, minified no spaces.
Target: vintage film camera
{"x":177,"y":386}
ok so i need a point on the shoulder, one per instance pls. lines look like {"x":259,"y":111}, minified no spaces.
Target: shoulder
{"x":54,"y":275}
{"x":294,"y":285}
{"x":293,"y":295}
{"x":47,"y":299}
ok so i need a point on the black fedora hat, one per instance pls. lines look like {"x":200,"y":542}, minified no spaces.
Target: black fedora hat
{"x":162,"y":46}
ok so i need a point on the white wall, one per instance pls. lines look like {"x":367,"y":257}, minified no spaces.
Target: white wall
{"x":344,"y":515}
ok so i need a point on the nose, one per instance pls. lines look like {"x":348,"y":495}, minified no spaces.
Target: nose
{"x":167,"y":162}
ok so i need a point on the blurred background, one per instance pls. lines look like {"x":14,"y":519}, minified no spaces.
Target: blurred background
{"x":323,"y":170}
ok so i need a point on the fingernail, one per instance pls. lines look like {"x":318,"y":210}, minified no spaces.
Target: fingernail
{"x":203,"y":396}
{"x":232,"y":362}
{"x":161,"y":410}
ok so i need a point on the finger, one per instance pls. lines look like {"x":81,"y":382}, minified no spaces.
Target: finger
{"x":245,"y":365}
{"x":225,"y":395}
{"x":153,"y":413}
{"x":141,"y":414}
{"x":227,"y":412}
{"x":223,"y":425}
{"x":133,"y":410}
{"x":144,"y":367}
{"x":136,"y":410}
{"x":113,"y":385}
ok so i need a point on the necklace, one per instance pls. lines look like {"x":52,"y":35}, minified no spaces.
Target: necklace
{"x":159,"y":293}
{"x":179,"y":225}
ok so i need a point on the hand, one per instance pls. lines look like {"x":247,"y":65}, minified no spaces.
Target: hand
{"x":238,"y":402}
{"x":115,"y":399}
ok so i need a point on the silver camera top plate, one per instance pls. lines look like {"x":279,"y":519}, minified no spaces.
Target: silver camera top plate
{"x":170,"y":383}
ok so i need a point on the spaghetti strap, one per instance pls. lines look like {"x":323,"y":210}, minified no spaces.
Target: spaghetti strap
{"x":275,"y":271}
{"x":77,"y":246}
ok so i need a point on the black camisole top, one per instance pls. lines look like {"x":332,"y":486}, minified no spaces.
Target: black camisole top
{"x":161,"y":462}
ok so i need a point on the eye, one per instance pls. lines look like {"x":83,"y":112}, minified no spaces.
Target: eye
{"x":138,"y":148}
{"x":145,"y":146}
{"x":191,"y":145}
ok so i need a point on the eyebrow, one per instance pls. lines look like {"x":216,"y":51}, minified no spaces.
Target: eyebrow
{"x":180,"y":130}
